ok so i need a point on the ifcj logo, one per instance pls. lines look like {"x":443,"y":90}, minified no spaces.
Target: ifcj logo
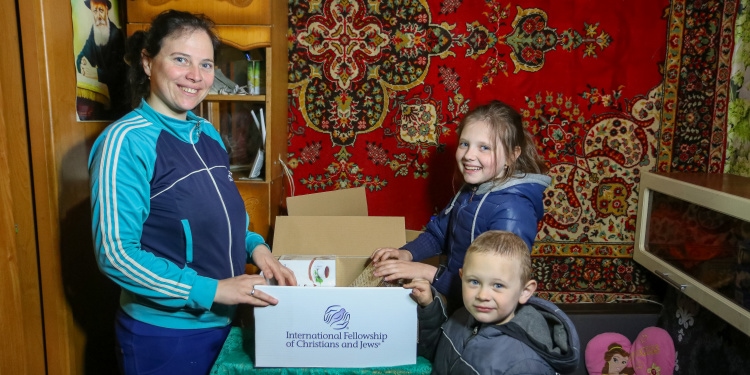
{"x":337,"y":317}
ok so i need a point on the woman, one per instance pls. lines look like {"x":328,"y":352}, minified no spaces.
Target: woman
{"x":169,"y":224}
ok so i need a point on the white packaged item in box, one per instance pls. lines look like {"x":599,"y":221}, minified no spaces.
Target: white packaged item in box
{"x":311,"y":270}
{"x":336,"y":327}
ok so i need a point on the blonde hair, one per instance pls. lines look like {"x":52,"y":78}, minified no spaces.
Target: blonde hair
{"x":507,"y":244}
{"x":505,"y":123}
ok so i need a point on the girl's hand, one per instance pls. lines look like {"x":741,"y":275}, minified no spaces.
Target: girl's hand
{"x":241,"y":289}
{"x":384,"y":253}
{"x":271,"y":267}
{"x":420,"y":291}
{"x":392,"y":269}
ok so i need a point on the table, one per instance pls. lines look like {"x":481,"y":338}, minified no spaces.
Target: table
{"x":235,"y":358}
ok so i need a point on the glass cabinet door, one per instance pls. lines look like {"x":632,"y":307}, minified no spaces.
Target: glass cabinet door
{"x":236,"y":107}
{"x":693,"y":231}
{"x":711,"y":247}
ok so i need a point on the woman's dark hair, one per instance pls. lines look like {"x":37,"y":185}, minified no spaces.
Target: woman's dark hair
{"x":166,"y":24}
{"x":507,"y":125}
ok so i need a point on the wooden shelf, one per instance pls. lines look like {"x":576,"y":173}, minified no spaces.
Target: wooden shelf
{"x":235,"y":98}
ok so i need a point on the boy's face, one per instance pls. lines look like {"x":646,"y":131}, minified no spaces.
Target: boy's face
{"x":492,"y":287}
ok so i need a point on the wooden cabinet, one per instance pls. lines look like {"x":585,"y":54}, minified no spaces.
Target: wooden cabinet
{"x":693,"y":231}
{"x":57,"y":307}
{"x":258,"y":28}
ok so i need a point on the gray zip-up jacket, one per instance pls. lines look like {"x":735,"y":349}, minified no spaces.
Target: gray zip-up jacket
{"x":540,"y":339}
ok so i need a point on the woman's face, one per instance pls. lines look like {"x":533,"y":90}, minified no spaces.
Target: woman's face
{"x":181,"y":73}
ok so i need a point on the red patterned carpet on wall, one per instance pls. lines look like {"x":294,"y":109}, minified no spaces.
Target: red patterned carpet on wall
{"x":609,"y":88}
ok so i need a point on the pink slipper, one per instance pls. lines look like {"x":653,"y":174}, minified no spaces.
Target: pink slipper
{"x":653,"y":352}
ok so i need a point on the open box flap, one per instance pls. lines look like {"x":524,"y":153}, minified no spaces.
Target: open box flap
{"x":344,"y":202}
{"x":337,"y":235}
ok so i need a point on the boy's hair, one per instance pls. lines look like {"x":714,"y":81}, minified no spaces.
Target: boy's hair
{"x":505,"y":122}
{"x":507,"y":244}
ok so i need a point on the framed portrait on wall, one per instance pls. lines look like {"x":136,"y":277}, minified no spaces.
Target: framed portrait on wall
{"x":98,"y":51}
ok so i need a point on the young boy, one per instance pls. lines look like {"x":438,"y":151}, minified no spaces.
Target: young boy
{"x":502,"y":328}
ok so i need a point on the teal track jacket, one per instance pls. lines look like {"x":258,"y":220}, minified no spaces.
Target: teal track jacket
{"x":167,"y":219}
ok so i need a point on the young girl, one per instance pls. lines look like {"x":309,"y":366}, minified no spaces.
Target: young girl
{"x":504,"y":185}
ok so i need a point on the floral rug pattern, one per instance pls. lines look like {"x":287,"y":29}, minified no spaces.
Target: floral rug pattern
{"x":376,"y":89}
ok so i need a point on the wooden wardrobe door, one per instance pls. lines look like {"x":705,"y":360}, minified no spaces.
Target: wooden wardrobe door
{"x":78,"y":302}
{"x":20,"y":307}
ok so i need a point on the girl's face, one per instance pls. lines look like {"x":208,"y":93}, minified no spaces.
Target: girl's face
{"x":480,"y":155}
{"x":181,"y":73}
{"x":617,"y":364}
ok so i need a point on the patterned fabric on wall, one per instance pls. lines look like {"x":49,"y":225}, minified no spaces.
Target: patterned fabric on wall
{"x":738,"y":132}
{"x":696,"y":86}
{"x":705,"y":343}
{"x":609,"y":88}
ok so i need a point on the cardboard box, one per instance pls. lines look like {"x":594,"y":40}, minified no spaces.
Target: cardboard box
{"x":351,"y":239}
{"x":337,"y":326}
{"x":347,"y":202}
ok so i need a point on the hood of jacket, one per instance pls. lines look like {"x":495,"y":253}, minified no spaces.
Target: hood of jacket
{"x":518,"y":179}
{"x":545,"y":328}
{"x":529,"y":185}
{"x":537,"y":182}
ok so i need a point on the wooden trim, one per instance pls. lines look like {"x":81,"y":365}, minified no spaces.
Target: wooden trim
{"x":243,"y":38}
{"x":277,"y":75}
{"x":222,"y":12}
{"x":20,"y":304}
{"x":36,"y":62}
{"x":73,"y":291}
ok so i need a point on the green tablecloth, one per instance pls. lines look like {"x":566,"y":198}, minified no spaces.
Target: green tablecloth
{"x":235,"y":359}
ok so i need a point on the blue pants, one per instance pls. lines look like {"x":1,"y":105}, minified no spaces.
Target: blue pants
{"x":144,"y":349}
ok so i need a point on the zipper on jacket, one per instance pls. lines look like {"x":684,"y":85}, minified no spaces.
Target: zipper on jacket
{"x":197,"y":129}
{"x":474,"y":333}
{"x":473,"y":191}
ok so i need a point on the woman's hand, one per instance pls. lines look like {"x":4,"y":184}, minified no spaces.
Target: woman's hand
{"x":241,"y":289}
{"x":393,"y":269}
{"x":390,"y":253}
{"x":420,"y":291}
{"x":271,"y":267}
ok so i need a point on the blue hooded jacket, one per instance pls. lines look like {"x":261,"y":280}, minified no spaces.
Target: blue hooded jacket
{"x":515,"y":206}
